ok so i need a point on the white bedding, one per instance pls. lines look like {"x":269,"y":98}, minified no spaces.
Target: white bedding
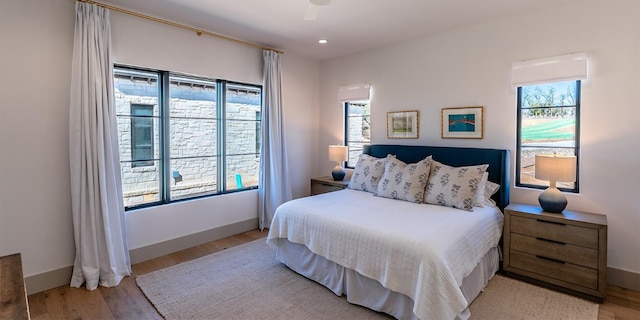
{"x":422,"y":251}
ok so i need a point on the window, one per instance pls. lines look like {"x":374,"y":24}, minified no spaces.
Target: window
{"x":141,"y":135}
{"x":548,"y":122}
{"x":183,"y":137}
{"x":357,"y":131}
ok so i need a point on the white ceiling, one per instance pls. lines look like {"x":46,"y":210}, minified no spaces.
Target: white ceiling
{"x":350,"y":26}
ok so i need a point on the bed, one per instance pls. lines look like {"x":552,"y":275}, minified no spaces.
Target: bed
{"x":409,"y":260}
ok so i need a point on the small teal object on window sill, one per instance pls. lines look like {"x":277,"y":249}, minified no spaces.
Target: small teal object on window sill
{"x":238,"y":181}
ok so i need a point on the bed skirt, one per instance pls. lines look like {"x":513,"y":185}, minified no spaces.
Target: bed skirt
{"x":370,"y":293}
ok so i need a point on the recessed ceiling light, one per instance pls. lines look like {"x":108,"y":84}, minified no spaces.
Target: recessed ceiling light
{"x":322,"y":41}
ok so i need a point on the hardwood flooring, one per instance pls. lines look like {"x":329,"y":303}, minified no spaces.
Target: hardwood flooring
{"x":126,"y":301}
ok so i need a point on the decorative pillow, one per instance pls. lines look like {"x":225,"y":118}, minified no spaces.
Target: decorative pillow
{"x":486,"y":189}
{"x":368,"y":172}
{"x":453,"y":186}
{"x":479,"y":197}
{"x":490,"y":188}
{"x":404,"y":181}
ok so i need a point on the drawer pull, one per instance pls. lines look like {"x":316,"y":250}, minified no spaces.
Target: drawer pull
{"x":549,"y":259}
{"x":552,"y":222}
{"x":553,"y":241}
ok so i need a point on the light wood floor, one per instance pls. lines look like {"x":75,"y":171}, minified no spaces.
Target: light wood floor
{"x":126,"y":301}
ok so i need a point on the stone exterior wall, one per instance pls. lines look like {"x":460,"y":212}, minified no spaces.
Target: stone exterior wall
{"x":193,"y":136}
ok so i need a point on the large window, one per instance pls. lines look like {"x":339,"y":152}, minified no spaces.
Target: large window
{"x":548,"y":123}
{"x":183,"y":137}
{"x":357,"y":131}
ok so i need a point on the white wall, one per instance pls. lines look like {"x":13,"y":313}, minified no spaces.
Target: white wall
{"x":300,"y":88}
{"x":471,"y":67}
{"x":36,"y":40}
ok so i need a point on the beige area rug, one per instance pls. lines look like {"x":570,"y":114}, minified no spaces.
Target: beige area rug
{"x":247,"y":282}
{"x":509,"y":299}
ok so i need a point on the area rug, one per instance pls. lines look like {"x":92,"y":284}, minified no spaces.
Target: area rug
{"x":247,"y":282}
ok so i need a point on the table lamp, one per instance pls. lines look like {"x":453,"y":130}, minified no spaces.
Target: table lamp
{"x":554,"y":168}
{"x":339,"y":155}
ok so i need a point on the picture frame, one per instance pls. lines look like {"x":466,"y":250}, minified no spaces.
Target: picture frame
{"x":462,"y":123}
{"x":402,"y":124}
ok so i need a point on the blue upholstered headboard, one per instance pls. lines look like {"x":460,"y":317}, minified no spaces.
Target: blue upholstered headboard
{"x":497,"y":159}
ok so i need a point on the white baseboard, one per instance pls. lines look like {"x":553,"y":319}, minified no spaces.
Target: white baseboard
{"x":174,"y":245}
{"x":623,"y":278}
{"x":60,"y":277}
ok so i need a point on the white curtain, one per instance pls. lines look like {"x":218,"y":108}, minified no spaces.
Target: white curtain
{"x":274,"y":186}
{"x":102,"y":257}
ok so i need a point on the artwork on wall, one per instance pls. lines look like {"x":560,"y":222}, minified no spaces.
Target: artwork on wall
{"x":462,"y":123}
{"x":402,"y":124}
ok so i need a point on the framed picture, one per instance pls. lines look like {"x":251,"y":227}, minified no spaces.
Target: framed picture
{"x":402,"y":124}
{"x":462,"y":123}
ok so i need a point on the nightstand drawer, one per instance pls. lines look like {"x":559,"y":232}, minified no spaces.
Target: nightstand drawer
{"x":318,"y":188}
{"x":582,"y":256}
{"x":565,"y":233}
{"x":566,"y":272}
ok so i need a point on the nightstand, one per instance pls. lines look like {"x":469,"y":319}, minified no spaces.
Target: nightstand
{"x":564,"y":251}
{"x":327,"y":184}
{"x":13,"y":296}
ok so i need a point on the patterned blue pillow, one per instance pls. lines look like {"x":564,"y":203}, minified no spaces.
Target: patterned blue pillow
{"x":404,"y":181}
{"x":454,"y":186}
{"x":368,"y":172}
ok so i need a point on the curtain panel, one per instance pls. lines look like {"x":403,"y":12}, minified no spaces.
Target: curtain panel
{"x":274,"y":182}
{"x":102,"y":256}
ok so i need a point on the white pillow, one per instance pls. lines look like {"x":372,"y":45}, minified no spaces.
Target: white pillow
{"x":479,"y":197}
{"x":404,"y":181}
{"x":490,"y":188}
{"x":454,"y":186}
{"x":368,"y":172}
{"x":486,"y":189}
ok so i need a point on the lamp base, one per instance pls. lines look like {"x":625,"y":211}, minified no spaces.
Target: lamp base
{"x":552,"y":200}
{"x":338,"y":173}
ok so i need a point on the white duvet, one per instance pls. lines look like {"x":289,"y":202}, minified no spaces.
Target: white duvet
{"x":422,"y":251}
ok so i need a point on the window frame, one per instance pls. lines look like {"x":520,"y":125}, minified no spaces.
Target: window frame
{"x":164,"y":144}
{"x":576,"y":146}
{"x":346,"y":140}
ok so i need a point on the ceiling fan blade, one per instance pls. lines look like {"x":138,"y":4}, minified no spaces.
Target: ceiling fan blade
{"x":312,"y":12}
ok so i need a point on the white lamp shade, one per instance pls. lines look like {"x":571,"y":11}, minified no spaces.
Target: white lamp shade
{"x":338,"y":153}
{"x":551,"y":167}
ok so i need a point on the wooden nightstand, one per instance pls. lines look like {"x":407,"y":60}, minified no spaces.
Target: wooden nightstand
{"x":564,"y":251}
{"x":327,"y":184}
{"x":13,"y":296}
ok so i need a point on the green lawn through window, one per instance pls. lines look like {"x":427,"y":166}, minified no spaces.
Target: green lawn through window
{"x":547,"y":130}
